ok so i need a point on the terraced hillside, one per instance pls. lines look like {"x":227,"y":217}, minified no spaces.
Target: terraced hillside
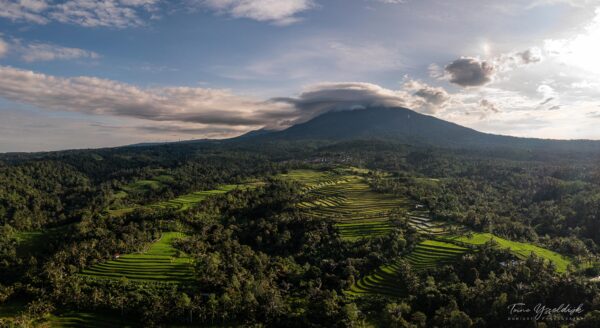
{"x":313,"y":179}
{"x":158,"y":263}
{"x":190,"y":200}
{"x":432,"y":253}
{"x":420,"y":219}
{"x":386,"y":279}
{"x":359,"y":211}
{"x":519,"y":249}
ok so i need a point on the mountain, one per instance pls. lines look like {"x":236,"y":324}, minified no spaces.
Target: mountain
{"x":408,"y":127}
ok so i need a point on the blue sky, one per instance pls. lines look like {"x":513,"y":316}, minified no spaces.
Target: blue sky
{"x":82,"y":73}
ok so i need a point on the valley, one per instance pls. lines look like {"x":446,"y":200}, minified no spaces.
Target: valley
{"x":344,"y":225}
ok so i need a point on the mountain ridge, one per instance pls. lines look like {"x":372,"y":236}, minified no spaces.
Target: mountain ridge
{"x":406,"y":126}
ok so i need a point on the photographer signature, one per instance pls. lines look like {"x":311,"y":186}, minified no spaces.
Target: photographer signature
{"x":541,"y":311}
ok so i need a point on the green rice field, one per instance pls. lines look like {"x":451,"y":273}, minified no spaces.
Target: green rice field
{"x":187,"y":201}
{"x":158,"y":263}
{"x":348,"y":199}
{"x":519,"y":249}
{"x":427,"y":254}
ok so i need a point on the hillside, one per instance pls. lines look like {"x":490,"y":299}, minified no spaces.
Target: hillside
{"x":408,"y":127}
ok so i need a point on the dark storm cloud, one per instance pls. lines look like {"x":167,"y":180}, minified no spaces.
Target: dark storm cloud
{"x":470,"y":72}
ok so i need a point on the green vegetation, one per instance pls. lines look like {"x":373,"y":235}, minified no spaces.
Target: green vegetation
{"x":88,"y":319}
{"x":287,"y":254}
{"x":389,"y":279}
{"x":142,"y":185}
{"x":187,"y":201}
{"x":161,"y":262}
{"x":310,"y":178}
{"x":420,"y":219}
{"x":431,"y":253}
{"x":348,"y":199}
{"x":521,"y":250}
{"x":34,"y":242}
{"x":384,"y":281}
{"x":29,"y":242}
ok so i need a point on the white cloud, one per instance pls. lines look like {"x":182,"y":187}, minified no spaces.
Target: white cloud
{"x":574,"y":3}
{"x":580,"y":51}
{"x":47,"y":52}
{"x":546,"y":91}
{"x":281,"y":12}
{"x":89,"y":13}
{"x":391,"y":1}
{"x":24,"y":10}
{"x":107,"y":13}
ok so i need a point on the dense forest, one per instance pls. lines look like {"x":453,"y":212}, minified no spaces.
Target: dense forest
{"x":262,"y":238}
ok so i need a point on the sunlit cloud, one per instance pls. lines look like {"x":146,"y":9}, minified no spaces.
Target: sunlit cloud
{"x":280,"y":12}
{"x":580,"y":51}
{"x":97,"y":96}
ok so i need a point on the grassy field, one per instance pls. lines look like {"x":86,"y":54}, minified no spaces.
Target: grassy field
{"x":158,"y":263}
{"x":386,"y":280}
{"x":519,"y":249}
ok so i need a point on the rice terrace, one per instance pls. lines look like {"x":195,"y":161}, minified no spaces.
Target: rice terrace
{"x":300,"y":163}
{"x":343,"y":194}
{"x":161,"y":262}
{"x":361,"y":212}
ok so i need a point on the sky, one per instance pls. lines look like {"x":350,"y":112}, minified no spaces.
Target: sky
{"x":87,"y":74}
